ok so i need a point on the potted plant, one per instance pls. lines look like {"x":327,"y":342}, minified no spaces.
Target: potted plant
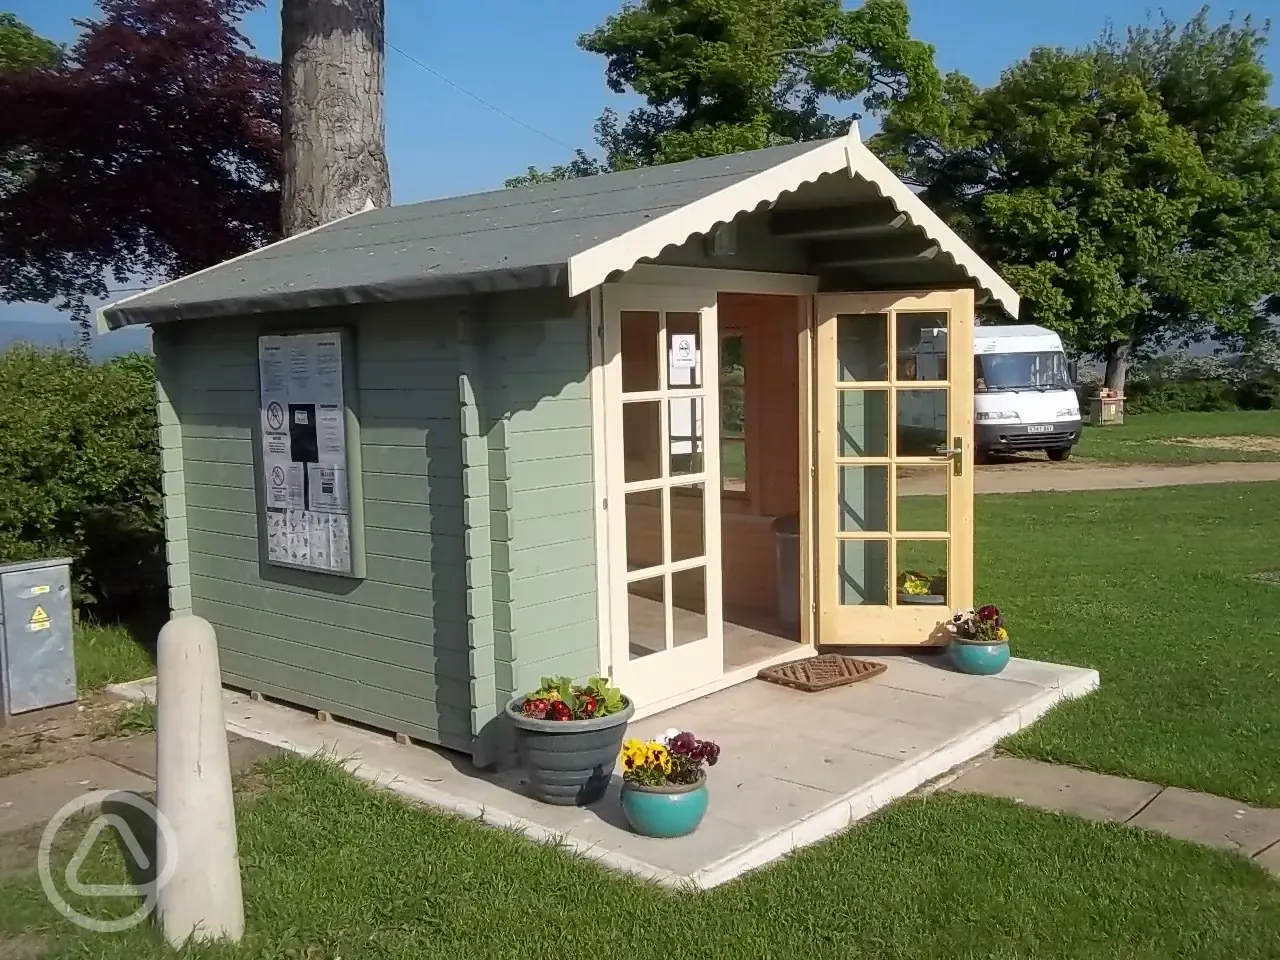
{"x":979,"y":641}
{"x":568,"y":736}
{"x":664,"y":783}
{"x":915,"y":587}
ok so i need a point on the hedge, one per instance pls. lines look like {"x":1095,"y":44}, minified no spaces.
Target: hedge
{"x":1159,"y":395}
{"x":80,"y":471}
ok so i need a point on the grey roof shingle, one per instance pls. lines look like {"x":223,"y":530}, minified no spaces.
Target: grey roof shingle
{"x":500,"y":240}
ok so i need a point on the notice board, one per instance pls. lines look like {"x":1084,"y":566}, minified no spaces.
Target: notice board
{"x":307,"y":452}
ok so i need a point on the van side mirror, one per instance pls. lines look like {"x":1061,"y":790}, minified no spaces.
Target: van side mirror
{"x":1073,"y":371}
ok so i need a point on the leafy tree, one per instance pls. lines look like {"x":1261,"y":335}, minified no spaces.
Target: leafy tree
{"x":21,"y":48}
{"x":80,"y":471}
{"x":1130,"y":191}
{"x":720,"y":76}
{"x":152,"y":149}
{"x":335,"y":156}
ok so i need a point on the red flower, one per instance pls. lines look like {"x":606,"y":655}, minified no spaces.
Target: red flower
{"x":988,"y":613}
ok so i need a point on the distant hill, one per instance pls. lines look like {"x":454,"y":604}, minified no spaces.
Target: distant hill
{"x":53,"y":333}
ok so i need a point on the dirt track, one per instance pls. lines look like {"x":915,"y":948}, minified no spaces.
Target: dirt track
{"x":1034,"y":476}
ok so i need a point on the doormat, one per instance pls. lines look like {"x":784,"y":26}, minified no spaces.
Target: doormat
{"x":822,"y":672}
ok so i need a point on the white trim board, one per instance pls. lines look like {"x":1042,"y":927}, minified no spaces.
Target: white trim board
{"x":593,"y":266}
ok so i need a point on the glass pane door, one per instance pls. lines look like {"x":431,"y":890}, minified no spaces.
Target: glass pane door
{"x":666,"y":626}
{"x":892,"y":567}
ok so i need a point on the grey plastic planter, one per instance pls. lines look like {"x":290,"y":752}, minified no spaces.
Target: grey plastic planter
{"x":569,"y":762}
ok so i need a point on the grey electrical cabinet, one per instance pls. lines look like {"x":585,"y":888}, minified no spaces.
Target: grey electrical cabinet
{"x":37,"y":659}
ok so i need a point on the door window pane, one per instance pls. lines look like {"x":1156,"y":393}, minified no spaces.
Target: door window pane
{"x":862,"y":347}
{"x":864,"y":572}
{"x":922,"y":573}
{"x":646,"y":617}
{"x":922,"y":498}
{"x":689,"y":606}
{"x":688,"y":522}
{"x":864,"y":498}
{"x":640,"y":351}
{"x":921,"y":346}
{"x":684,"y":350}
{"x":642,"y":440}
{"x":862,"y":423}
{"x":922,"y":422}
{"x":644,"y":529}
{"x":685,"y":426}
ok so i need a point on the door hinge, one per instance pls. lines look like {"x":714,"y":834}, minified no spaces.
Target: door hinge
{"x":604,"y":504}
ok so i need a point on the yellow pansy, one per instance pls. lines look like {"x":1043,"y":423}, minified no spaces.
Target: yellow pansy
{"x":1002,"y":634}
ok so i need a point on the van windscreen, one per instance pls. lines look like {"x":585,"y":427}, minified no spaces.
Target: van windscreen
{"x":1046,"y":370}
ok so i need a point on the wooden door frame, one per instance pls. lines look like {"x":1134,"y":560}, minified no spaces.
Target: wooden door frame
{"x":959,"y":303}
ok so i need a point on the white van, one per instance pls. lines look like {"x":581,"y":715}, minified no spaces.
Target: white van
{"x":1023,"y":396}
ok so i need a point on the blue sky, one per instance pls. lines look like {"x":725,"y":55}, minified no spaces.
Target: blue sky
{"x":521,"y":57}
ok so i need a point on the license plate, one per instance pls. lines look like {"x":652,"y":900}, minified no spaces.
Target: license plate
{"x":1040,"y":428}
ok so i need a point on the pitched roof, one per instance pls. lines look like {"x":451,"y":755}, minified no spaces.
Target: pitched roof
{"x":573,"y":233}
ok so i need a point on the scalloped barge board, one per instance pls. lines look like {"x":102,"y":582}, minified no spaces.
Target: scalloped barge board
{"x":435,"y":778}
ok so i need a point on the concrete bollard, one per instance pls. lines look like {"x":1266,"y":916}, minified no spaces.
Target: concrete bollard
{"x":203,"y":900}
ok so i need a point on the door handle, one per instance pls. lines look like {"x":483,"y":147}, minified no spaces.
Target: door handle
{"x":955,"y":452}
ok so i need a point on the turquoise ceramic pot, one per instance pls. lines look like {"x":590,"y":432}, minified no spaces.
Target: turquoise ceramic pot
{"x":672,"y":810}
{"x":982,"y":659}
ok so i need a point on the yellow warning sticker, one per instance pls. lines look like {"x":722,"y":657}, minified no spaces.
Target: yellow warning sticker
{"x":36,"y":591}
{"x":39,"y":619}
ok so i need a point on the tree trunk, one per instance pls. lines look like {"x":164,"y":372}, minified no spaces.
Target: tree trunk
{"x":1117,"y":357}
{"x":335,"y":156}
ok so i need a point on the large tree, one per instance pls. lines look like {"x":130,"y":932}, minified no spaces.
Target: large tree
{"x":335,"y":158}
{"x":720,"y":76}
{"x":1130,"y":191}
{"x":151,"y":149}
{"x":21,"y":47}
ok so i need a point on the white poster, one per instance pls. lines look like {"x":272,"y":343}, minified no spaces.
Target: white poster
{"x":304,"y":451}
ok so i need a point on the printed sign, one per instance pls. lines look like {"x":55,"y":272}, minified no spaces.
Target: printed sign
{"x":304,"y":451}
{"x":39,"y":619}
{"x":684,"y":351}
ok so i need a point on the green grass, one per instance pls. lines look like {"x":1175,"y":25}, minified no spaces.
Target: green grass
{"x":108,"y":653}
{"x":334,"y":869}
{"x":1153,"y":589}
{"x":1143,"y":438}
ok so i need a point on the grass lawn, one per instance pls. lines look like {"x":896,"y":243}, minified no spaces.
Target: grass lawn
{"x":108,"y":653}
{"x":1151,"y":588}
{"x":1143,"y":438}
{"x":334,"y":869}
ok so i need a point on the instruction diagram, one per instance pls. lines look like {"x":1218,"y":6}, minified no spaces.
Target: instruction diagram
{"x":304,"y":451}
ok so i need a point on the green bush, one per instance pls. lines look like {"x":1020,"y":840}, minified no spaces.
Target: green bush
{"x":80,"y":471}
{"x":1160,"y":395}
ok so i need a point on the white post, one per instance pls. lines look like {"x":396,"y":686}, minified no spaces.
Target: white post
{"x":203,"y":900}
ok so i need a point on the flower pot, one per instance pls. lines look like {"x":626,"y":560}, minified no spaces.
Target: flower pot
{"x":669,"y":810}
{"x":912,"y":599}
{"x":569,"y":762}
{"x":980,"y":659}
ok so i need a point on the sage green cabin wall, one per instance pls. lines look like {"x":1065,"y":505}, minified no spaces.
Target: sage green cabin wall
{"x":475,"y":435}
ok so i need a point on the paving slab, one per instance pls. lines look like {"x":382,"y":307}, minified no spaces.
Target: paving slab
{"x":139,"y":753}
{"x":794,"y":768}
{"x":33,"y":796}
{"x":1212,"y":821}
{"x":1095,"y":796}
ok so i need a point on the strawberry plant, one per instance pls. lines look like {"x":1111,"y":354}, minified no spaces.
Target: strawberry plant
{"x":559,"y":698}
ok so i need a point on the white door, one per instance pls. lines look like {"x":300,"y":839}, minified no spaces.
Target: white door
{"x":666,"y":634}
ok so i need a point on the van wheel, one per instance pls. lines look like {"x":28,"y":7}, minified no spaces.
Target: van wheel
{"x":1058,"y":454}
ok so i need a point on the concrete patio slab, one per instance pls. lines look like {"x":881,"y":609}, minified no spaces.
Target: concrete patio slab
{"x":1096,"y":796}
{"x":1212,"y":821}
{"x":139,"y":753}
{"x":1269,"y":859}
{"x":795,"y":768}
{"x":34,"y":796}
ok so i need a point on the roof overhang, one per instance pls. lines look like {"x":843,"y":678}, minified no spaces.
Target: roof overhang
{"x":593,"y":266}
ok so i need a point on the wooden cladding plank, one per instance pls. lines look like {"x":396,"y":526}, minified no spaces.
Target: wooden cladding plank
{"x":550,"y":444}
{"x":563,"y":528}
{"x":345,"y":693}
{"x":535,"y":559}
{"x":517,"y":678}
{"x":409,"y":585}
{"x":549,"y":502}
{"x":418,"y":657}
{"x":545,"y":644}
{"x":550,"y":615}
{"x":523,"y":591}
